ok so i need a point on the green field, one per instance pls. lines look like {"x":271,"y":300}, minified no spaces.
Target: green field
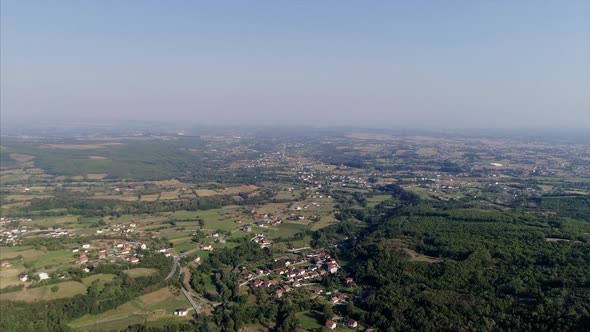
{"x":310,"y":319}
{"x":102,"y":277}
{"x":44,"y":293}
{"x":151,"y":307}
{"x":51,"y":259}
{"x":140,"y":272}
{"x":372,"y":201}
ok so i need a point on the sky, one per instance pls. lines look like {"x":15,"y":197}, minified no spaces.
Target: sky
{"x":386,"y":64}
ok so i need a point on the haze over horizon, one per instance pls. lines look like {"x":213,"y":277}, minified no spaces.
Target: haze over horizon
{"x":424,"y":65}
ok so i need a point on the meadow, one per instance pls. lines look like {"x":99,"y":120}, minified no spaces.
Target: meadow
{"x":46,"y":293}
{"x":149,"y":308}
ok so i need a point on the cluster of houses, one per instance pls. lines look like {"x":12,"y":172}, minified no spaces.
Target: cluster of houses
{"x":118,"y":228}
{"x":123,"y":250}
{"x":351,"y":323}
{"x":262,"y":241}
{"x":292,"y":276}
{"x":10,"y":231}
{"x":42,"y":276}
{"x":205,"y":246}
{"x":264,"y":218}
{"x":58,"y":233}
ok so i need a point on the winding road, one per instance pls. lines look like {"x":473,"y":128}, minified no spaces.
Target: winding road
{"x":177,"y":262}
{"x":176,"y":266}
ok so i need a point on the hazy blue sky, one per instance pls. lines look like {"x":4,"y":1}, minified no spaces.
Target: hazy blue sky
{"x":366,"y":63}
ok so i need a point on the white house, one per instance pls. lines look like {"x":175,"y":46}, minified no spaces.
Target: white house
{"x":181,"y":312}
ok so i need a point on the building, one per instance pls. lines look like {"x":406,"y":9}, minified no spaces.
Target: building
{"x":23,"y":277}
{"x":181,"y":312}
{"x":43,"y":276}
{"x":352,"y":323}
{"x":83,"y":258}
{"x":331,"y":324}
{"x":279,"y":293}
{"x":203,"y":246}
{"x":332,"y":268}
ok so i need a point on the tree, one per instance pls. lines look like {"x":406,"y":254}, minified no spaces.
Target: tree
{"x":327,"y":311}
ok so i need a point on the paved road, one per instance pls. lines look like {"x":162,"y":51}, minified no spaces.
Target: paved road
{"x":192,"y":301}
{"x":176,"y":264}
{"x":175,"y":267}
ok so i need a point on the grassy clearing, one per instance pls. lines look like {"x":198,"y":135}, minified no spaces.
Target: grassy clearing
{"x":9,"y":277}
{"x":183,"y":243}
{"x":238,"y":189}
{"x":309,"y":319}
{"x":45,"y":222}
{"x":102,"y":277}
{"x":44,"y":293}
{"x":10,"y":178}
{"x":286,"y":195}
{"x":206,"y":192}
{"x":169,"y":195}
{"x":124,"y":197}
{"x":274,"y":208}
{"x":150,"y":198}
{"x":96,"y":176}
{"x":153,"y":308}
{"x":215,"y":219}
{"x":140,"y":272}
{"x":50,"y":259}
{"x":323,"y":222}
{"x":286,"y":229}
{"x":417,"y":257}
{"x":22,"y":198}
{"x":372,"y":201}
{"x":24,"y":251}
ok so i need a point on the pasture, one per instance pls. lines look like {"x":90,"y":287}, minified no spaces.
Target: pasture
{"x":140,"y":272}
{"x":155,"y":306}
{"x":44,"y":293}
{"x":102,"y":277}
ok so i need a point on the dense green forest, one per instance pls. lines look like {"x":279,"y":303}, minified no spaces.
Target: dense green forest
{"x":490,"y":269}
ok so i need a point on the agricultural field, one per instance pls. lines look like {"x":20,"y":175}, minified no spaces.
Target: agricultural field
{"x":46,"y":293}
{"x":152,"y":307}
{"x":139,"y":272}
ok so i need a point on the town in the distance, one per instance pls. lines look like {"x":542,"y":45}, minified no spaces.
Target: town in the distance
{"x":245,"y":229}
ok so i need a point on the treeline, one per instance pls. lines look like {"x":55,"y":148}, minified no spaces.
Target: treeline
{"x":64,"y":203}
{"x":574,"y":206}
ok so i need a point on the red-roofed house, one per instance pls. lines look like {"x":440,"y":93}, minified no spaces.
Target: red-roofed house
{"x":331,"y":324}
